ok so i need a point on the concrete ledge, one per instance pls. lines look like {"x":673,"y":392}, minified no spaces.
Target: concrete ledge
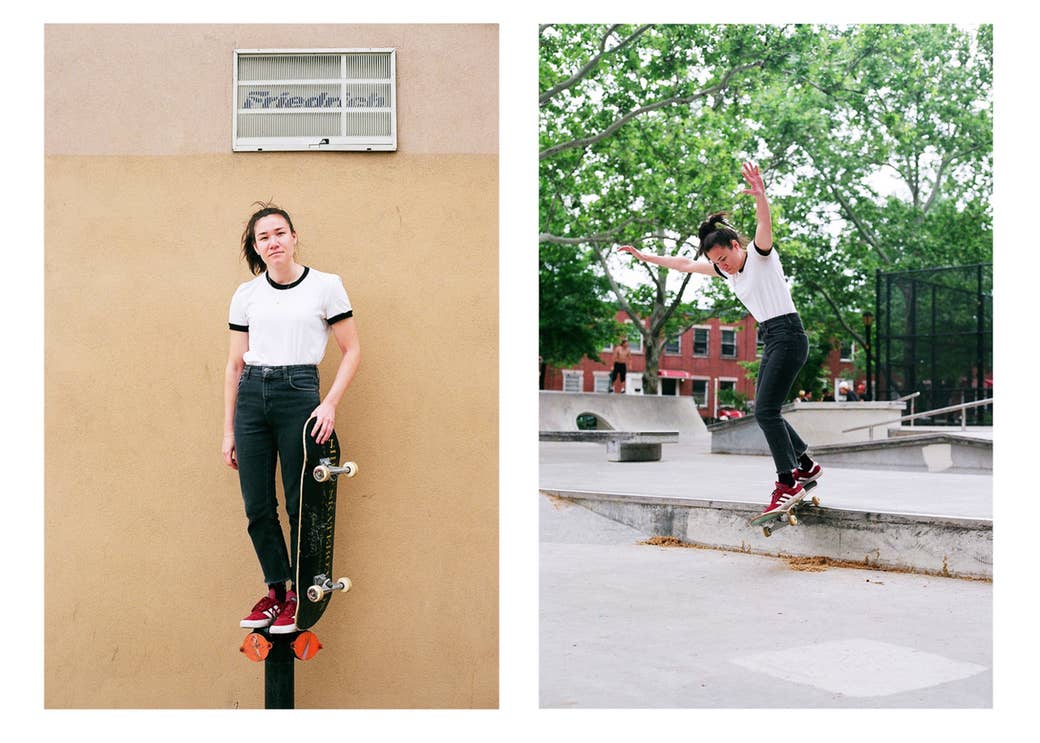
{"x":559,"y":411}
{"x":955,"y":547}
{"x":602,"y":437}
{"x":930,"y":452}
{"x":816,"y":422}
{"x":622,"y":446}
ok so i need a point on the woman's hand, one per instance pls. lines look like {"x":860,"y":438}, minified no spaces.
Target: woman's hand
{"x":763,"y":220}
{"x":630,"y":249}
{"x":228,"y":449}
{"x":756,"y":186}
{"x":326,"y":415}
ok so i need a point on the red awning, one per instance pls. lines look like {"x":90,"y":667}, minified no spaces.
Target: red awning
{"x":673,"y":374}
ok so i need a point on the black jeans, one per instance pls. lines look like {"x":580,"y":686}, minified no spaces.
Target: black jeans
{"x":272,"y":407}
{"x":786,"y":350}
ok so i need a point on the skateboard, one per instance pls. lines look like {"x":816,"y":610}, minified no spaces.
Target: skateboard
{"x":788,"y":514}
{"x":321,"y":470}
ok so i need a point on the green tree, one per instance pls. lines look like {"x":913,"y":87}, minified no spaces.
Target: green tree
{"x":875,"y":141}
{"x":575,"y":317}
{"x":631,"y":118}
{"x":883,"y":140}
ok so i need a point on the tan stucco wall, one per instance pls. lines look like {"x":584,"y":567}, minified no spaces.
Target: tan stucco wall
{"x":148,"y":565}
{"x":167,"y":89}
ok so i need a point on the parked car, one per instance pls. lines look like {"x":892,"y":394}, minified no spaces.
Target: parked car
{"x":728,"y":413}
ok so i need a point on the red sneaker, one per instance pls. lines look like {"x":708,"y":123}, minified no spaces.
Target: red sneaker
{"x":784,"y":496}
{"x":286,"y":621}
{"x":265,"y":612}
{"x":803,"y":476}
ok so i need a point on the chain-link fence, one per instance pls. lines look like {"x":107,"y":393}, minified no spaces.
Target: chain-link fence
{"x":934,"y":331}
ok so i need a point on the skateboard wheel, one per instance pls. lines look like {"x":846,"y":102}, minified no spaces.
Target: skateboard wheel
{"x":321,"y":473}
{"x":350,"y":468}
{"x":306,"y":645}
{"x":346,"y":584}
{"x":792,"y":519}
{"x":315,"y":593}
{"x":767,"y":531}
{"x":255,"y":647}
{"x":816,"y":500}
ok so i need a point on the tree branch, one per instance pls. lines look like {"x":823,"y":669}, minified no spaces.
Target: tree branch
{"x":599,"y":237}
{"x":592,"y":63}
{"x":670,"y":310}
{"x":935,"y":188}
{"x":622,"y":301}
{"x":603,"y":237}
{"x":838,"y":313}
{"x":618,"y":123}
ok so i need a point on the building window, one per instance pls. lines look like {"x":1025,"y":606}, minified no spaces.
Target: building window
{"x":726,"y":391}
{"x":573,"y":380}
{"x":700,"y":392}
{"x":848,"y":348}
{"x":729,"y":343}
{"x":600,"y":381}
{"x":319,"y":99}
{"x":673,"y":347}
{"x":635,"y":338}
{"x":700,"y":341}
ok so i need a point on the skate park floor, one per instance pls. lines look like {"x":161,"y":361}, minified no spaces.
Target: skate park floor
{"x":630,"y":625}
{"x":691,"y":471}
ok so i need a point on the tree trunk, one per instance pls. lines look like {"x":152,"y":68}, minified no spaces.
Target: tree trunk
{"x":652,"y":356}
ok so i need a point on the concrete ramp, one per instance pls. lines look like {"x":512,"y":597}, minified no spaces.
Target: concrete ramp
{"x":816,"y":422}
{"x":927,"y":452}
{"x":559,"y":411}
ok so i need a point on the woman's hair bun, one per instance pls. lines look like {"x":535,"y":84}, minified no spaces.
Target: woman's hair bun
{"x":713,"y":222}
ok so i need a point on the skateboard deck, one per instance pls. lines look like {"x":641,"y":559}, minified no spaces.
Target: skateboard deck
{"x":317,"y":527}
{"x":788,"y":515}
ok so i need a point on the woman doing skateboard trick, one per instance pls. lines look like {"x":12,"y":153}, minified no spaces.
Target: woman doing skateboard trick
{"x":753,"y":271}
{"x":280,"y":323}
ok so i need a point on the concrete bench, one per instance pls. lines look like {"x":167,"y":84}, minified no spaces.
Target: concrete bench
{"x":622,"y":446}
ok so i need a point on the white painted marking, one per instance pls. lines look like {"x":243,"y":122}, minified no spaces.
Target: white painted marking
{"x":859,"y":667}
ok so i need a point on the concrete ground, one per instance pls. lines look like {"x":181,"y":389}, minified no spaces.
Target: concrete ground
{"x":630,"y":625}
{"x":691,"y":471}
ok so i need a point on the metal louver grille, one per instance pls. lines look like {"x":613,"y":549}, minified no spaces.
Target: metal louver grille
{"x":300,"y":100}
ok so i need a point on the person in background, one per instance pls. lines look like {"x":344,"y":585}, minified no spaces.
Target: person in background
{"x":850,"y":396}
{"x":622,"y":355}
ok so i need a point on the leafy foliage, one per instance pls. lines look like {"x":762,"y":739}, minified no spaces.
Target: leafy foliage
{"x":875,"y":141}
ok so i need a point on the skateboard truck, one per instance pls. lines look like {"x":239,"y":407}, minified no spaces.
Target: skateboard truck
{"x":323,"y":584}
{"x":788,"y":516}
{"x":327,"y":471}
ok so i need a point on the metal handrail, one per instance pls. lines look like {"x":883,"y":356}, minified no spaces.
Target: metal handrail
{"x":909,"y":397}
{"x":962,"y":407}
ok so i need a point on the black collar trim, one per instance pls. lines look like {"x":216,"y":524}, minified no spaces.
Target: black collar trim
{"x":306,"y":270}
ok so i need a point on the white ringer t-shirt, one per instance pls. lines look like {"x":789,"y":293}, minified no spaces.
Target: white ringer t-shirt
{"x":761,"y":285}
{"x":288,"y":323}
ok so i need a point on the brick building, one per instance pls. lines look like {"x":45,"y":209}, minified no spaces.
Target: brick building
{"x":702,"y":363}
